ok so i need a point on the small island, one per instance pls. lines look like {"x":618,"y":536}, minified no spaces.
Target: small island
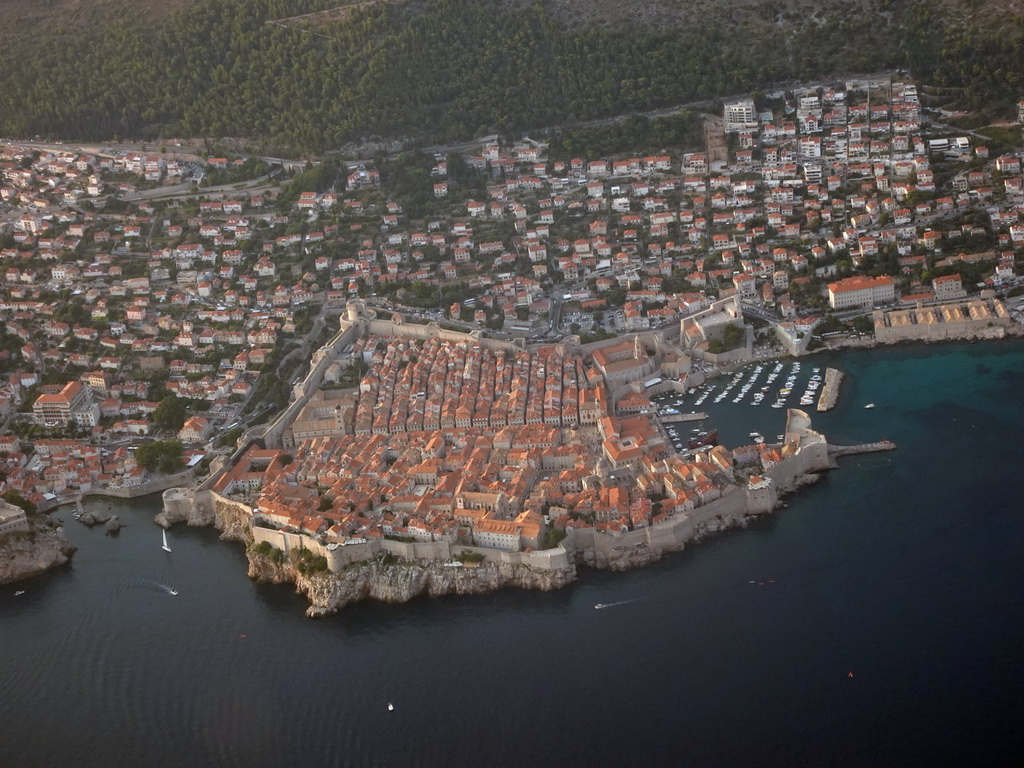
{"x":457,"y":464}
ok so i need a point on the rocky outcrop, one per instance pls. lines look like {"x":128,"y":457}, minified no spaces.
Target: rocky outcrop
{"x":184,"y":510}
{"x":113,"y":525}
{"x":399,"y":582}
{"x":624,"y":559}
{"x":95,"y":517}
{"x":799,"y":482}
{"x":232,"y":520}
{"x":24,"y":555}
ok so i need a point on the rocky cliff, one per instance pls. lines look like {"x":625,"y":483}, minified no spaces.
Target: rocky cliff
{"x":402,"y":581}
{"x":197,"y":510}
{"x":627,"y":559}
{"x":24,"y":555}
{"x":196,"y":515}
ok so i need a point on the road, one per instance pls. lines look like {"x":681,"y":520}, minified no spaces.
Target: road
{"x":190,"y":190}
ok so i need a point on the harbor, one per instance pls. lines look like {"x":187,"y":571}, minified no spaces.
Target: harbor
{"x":745,"y":405}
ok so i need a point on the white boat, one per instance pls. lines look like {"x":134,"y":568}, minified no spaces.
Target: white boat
{"x":599,"y":606}
{"x":165,"y":547}
{"x":870,"y":405}
{"x":19,"y":592}
{"x":391,"y":707}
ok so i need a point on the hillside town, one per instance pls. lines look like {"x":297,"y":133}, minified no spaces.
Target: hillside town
{"x":158,"y":304}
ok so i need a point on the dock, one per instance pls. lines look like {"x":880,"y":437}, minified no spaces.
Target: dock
{"x":830,"y":391}
{"x":675,"y":418}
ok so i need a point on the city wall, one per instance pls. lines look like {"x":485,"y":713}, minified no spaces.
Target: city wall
{"x":342,"y":556}
{"x":736,"y":504}
{"x":125,"y":491}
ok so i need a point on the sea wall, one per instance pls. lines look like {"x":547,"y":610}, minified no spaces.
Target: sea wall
{"x":341,"y":557}
{"x":27,"y":554}
{"x":390,"y":571}
{"x":123,"y":492}
{"x":830,"y":390}
{"x":642,"y":546}
{"x":397,"y":581}
{"x":397,"y":571}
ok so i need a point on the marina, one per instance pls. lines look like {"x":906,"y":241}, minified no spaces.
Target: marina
{"x":778,"y":384}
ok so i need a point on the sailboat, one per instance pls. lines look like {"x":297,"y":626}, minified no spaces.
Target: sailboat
{"x":165,"y":547}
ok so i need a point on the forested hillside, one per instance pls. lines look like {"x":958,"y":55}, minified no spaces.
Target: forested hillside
{"x":449,"y":69}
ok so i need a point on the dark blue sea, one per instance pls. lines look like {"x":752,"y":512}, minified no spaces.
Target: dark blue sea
{"x":889,"y":629}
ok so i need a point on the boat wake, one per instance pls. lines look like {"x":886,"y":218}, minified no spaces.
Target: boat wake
{"x":600,"y":606}
{"x":154,"y":585}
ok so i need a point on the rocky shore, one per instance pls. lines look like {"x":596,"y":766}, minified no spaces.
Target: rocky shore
{"x":24,"y":555}
{"x":400,"y":581}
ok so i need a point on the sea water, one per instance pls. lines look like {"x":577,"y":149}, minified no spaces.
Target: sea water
{"x":875,"y":622}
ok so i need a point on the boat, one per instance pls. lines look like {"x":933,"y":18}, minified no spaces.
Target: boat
{"x":19,"y":592}
{"x":173,"y":591}
{"x":711,"y":438}
{"x":165,"y":547}
{"x":391,"y":707}
{"x":870,"y":405}
{"x":599,"y":606}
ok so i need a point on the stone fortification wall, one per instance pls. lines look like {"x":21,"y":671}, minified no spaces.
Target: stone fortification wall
{"x":432,"y":331}
{"x":144,"y":489}
{"x":272,"y":435}
{"x":983,"y":318}
{"x":968,"y":329}
{"x":643,"y":545}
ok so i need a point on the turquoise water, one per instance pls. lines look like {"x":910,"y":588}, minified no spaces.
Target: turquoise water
{"x":900,"y":569}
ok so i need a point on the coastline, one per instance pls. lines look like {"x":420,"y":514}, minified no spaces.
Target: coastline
{"x":44,"y":547}
{"x":332,"y":578}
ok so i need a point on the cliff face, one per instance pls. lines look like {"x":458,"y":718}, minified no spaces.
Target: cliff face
{"x":24,"y":555}
{"x":232,"y":520}
{"x":399,"y":583}
{"x":627,"y":560}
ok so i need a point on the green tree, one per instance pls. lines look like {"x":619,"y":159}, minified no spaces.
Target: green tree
{"x":15,"y":498}
{"x":160,"y":455}
{"x":171,"y":413}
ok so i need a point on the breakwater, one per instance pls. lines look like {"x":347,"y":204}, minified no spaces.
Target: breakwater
{"x":830,"y":391}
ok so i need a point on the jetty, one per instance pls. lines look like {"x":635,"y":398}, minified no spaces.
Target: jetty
{"x":677,"y":417}
{"x":830,"y":390}
{"x":835,"y":451}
